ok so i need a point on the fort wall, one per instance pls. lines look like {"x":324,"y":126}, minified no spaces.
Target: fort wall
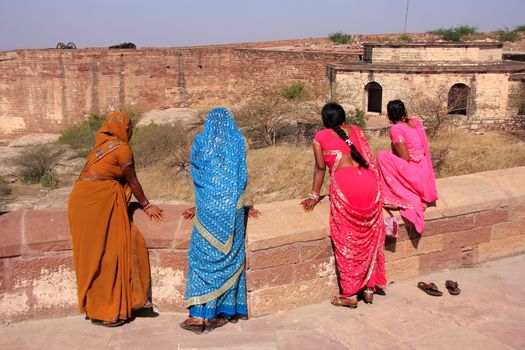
{"x":289,"y":262}
{"x":48,"y":90}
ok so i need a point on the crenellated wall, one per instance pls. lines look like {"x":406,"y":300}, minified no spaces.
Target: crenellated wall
{"x":48,"y":90}
{"x":479,"y":217}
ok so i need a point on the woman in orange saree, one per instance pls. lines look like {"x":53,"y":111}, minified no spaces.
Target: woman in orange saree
{"x":110,"y":255}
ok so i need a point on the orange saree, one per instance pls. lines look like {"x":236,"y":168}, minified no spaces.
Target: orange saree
{"x":111,"y":258}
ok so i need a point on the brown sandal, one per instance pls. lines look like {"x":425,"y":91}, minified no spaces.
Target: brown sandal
{"x":108,"y":324}
{"x":195,"y":328}
{"x":214,"y":323}
{"x":430,"y":289}
{"x":368,"y":296}
{"x":350,"y":302}
{"x":452,"y":287}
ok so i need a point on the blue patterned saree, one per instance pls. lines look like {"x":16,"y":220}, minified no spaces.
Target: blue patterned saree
{"x":216,"y":282}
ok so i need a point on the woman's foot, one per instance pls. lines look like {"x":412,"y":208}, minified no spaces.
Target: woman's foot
{"x":108,"y":324}
{"x":391,"y":207}
{"x":368,"y":296}
{"x":350,"y":302}
{"x":212,"y":323}
{"x":193,"y":324}
{"x":236,"y":318}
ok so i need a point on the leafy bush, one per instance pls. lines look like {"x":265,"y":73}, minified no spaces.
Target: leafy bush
{"x":506,"y":34}
{"x":405,"y":38}
{"x":49,"y":179}
{"x":295,"y":91}
{"x":455,"y":34}
{"x":356,"y":117}
{"x":37,"y":161}
{"x":340,"y":38}
{"x":81,"y":137}
{"x":520,"y":28}
{"x":4,"y":188}
{"x":170,"y":144}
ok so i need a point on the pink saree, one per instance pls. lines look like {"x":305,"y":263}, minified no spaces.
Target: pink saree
{"x":356,"y":217}
{"x":408,"y":185}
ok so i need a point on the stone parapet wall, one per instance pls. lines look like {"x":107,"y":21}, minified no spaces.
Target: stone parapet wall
{"x":289,"y":262}
{"x":437,"y":53}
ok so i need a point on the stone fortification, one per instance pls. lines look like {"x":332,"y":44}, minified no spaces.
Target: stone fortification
{"x":48,"y":90}
{"x":479,"y":217}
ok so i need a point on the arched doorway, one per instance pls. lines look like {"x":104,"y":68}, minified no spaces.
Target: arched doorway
{"x":458,"y":97}
{"x":375,"y":96}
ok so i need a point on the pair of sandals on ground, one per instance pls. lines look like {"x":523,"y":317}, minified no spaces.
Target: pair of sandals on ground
{"x":432,"y":289}
{"x":351,"y":301}
{"x":206,"y":325}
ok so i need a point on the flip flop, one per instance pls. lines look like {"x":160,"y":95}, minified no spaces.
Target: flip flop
{"x":430,"y":289}
{"x":452,"y":287}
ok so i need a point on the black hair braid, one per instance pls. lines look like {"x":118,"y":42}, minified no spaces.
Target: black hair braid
{"x":353,"y":150}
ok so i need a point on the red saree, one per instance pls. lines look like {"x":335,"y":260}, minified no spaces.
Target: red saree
{"x":356,"y":217}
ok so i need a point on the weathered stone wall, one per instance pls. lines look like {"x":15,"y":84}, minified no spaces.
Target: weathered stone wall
{"x":489,"y":92}
{"x":289,"y":262}
{"x":48,"y":90}
{"x":439,"y":53}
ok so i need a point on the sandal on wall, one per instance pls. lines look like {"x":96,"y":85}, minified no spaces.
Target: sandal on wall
{"x":452,"y":287}
{"x":430,"y":289}
{"x":350,"y":302}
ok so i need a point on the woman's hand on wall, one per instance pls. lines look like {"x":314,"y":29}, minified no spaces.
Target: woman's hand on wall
{"x":188,"y":213}
{"x":154,"y":212}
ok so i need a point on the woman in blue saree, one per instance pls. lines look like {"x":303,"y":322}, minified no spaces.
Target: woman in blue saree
{"x":216,"y":280}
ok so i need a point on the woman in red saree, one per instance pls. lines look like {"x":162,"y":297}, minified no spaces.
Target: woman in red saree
{"x":408,"y":183}
{"x":111,"y":258}
{"x":356,"y":218}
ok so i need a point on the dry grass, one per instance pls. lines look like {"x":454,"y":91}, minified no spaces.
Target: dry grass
{"x":285,"y":171}
{"x":275,"y":173}
{"x":461,"y":153}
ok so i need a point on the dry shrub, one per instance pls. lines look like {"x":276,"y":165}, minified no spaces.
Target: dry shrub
{"x":37,"y":162}
{"x":279,"y":173}
{"x":4,"y":188}
{"x":169,"y":144}
{"x":159,"y":181}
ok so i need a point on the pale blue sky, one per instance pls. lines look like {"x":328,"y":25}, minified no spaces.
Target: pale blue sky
{"x":91,"y":23}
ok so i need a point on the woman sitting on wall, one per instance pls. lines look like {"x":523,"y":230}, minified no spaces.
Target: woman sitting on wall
{"x":111,"y":259}
{"x":216,"y":280}
{"x":408,"y":182}
{"x":356,"y":217}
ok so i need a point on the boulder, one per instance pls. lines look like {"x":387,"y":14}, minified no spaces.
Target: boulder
{"x":34,"y":139}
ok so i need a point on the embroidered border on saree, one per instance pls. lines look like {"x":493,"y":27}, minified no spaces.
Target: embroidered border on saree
{"x":203,"y":299}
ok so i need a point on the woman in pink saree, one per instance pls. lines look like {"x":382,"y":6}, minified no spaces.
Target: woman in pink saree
{"x":356,"y":218}
{"x":408,"y":182}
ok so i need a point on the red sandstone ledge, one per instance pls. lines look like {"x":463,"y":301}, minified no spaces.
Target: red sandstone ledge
{"x":39,"y":231}
{"x":289,"y":258}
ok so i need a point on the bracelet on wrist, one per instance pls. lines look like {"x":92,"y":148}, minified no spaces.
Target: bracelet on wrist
{"x":145,"y":204}
{"x":314,"y":195}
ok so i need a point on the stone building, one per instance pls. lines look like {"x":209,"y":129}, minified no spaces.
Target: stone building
{"x":471,"y":79}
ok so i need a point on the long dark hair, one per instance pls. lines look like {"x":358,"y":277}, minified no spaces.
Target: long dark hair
{"x":333,"y":116}
{"x":396,"y":111}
